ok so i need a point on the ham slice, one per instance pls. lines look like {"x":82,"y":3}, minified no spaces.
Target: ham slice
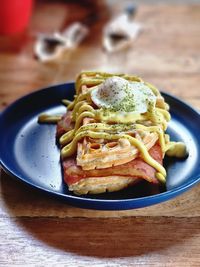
{"x":65,"y":124}
{"x":135,"y":168}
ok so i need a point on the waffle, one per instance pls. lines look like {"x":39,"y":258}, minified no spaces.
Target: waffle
{"x":98,"y":154}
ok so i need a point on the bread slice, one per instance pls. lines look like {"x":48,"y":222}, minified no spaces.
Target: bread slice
{"x":97,"y":185}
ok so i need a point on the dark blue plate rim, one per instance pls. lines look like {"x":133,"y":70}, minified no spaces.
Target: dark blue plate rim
{"x":154,"y":199}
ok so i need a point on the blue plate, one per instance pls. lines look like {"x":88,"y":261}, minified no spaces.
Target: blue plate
{"x":28,"y":152}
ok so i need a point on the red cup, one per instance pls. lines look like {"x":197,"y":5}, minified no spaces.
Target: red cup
{"x":14,"y":16}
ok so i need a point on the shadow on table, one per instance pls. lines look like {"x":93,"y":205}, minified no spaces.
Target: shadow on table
{"x":97,"y":237}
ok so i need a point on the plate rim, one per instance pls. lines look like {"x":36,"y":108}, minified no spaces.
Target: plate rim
{"x":154,"y":199}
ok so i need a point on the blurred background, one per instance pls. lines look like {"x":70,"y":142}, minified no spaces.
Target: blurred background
{"x":157,"y":40}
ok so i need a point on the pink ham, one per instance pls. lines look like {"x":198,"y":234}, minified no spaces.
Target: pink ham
{"x":135,"y":168}
{"x":65,"y":124}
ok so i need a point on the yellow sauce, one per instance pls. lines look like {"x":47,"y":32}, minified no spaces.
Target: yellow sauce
{"x":66,"y":102}
{"x":118,"y":117}
{"x":44,"y":118}
{"x":176,"y":149}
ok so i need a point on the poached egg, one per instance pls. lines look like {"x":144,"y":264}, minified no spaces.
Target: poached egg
{"x":117,"y":94}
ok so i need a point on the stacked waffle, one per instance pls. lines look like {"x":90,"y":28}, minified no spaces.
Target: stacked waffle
{"x":105,"y":149}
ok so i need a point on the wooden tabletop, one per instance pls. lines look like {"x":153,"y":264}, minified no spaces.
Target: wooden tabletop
{"x":36,"y":230}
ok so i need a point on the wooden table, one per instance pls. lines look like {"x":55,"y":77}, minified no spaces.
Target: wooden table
{"x":36,"y":230}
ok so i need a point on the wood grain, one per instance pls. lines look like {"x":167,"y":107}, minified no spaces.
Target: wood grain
{"x":37,"y":230}
{"x":19,"y":200}
{"x":100,"y":242}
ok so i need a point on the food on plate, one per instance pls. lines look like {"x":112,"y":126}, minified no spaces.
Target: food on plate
{"x":113,"y":134}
